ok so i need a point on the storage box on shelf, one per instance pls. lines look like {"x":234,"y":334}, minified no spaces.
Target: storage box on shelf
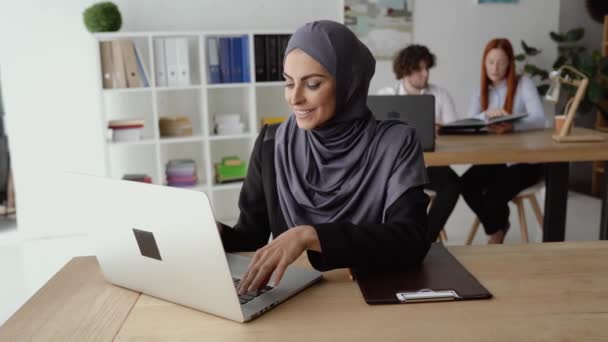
{"x":195,"y":77}
{"x":181,"y":103}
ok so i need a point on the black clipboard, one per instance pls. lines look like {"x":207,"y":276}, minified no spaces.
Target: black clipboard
{"x":440,"y":277}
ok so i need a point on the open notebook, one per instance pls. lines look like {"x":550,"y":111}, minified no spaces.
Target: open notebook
{"x":440,"y":277}
{"x":478,"y":124}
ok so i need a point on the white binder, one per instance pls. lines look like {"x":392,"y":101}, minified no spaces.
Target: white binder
{"x":183,"y":61}
{"x":160,"y":66}
{"x":171,"y":60}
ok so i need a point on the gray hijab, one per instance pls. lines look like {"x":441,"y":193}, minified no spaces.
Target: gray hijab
{"x":351,"y":168}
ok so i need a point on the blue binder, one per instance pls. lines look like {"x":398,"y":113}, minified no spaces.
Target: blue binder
{"x":225,"y":60}
{"x":236,"y":59}
{"x":213,"y":61}
{"x":245,"y":60}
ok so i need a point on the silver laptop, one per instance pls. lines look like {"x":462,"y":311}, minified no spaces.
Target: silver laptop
{"x":164,"y":242}
{"x":418,"y":111}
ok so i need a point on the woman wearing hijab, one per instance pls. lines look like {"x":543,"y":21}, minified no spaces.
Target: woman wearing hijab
{"x":487,"y":189}
{"x":330,"y":180}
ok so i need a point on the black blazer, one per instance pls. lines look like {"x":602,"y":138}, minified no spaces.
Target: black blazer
{"x":399,"y":242}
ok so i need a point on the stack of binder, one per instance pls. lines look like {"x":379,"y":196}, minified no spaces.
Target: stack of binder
{"x":172,"y":62}
{"x":269,"y":55}
{"x":181,"y":173}
{"x":122,"y":65}
{"x":228,"y":59}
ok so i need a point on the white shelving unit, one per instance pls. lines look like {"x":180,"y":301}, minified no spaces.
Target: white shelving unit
{"x":199,"y":101}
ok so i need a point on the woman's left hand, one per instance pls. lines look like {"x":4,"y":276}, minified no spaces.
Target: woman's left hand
{"x":501,"y":128}
{"x":276,"y":256}
{"x":438,"y":128}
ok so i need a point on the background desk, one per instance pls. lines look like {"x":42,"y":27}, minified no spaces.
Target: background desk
{"x":529,"y":147}
{"x":548,"y":292}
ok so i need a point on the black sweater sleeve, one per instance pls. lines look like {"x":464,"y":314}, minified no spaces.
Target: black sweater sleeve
{"x":252,"y":230}
{"x":399,"y":242}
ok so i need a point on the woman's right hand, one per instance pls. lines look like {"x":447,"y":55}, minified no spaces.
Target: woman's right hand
{"x":495,"y":112}
{"x":276,"y":256}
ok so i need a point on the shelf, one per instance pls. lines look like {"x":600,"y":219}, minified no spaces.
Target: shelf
{"x":197,"y":100}
{"x":270,"y":84}
{"x":230,"y":137}
{"x":198,"y":187}
{"x":228,"y":85}
{"x":190,"y":87}
{"x":178,"y":140}
{"x":142,"y":142}
{"x":127,"y":90}
{"x":228,"y":186}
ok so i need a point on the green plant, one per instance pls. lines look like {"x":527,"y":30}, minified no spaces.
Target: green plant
{"x":572,"y":53}
{"x":531,"y":69}
{"x":102,"y":17}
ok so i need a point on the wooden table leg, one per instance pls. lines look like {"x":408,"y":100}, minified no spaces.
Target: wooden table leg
{"x":604,"y":217}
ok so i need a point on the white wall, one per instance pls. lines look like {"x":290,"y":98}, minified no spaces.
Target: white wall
{"x":49,"y":81}
{"x":574,"y":14}
{"x":49,"y":73}
{"x":456,"y":31}
{"x":227,"y":14}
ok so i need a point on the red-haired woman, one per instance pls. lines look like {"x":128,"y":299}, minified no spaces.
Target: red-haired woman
{"x":487,"y":189}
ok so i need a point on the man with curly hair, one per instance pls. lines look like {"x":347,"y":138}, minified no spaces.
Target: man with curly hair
{"x":411,"y":67}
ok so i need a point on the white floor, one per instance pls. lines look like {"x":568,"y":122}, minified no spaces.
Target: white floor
{"x":27,"y":264}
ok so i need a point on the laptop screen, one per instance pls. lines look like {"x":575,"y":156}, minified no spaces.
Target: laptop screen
{"x":418,"y":111}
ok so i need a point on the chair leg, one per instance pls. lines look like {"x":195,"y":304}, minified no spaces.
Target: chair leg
{"x":443,"y":236}
{"x":523,"y":226}
{"x":536,"y":208}
{"x":473,"y":231}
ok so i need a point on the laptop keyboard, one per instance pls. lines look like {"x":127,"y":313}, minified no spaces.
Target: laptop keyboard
{"x":244,"y":298}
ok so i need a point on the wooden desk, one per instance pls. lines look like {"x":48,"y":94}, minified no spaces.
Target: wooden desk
{"x":548,"y":292}
{"x":529,"y":147}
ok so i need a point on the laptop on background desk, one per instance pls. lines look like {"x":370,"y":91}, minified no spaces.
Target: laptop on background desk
{"x":164,"y":242}
{"x":418,"y":111}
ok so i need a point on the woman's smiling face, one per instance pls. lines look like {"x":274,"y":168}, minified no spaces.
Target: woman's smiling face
{"x":310,"y":90}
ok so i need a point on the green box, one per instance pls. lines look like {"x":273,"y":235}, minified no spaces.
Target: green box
{"x":229,"y":170}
